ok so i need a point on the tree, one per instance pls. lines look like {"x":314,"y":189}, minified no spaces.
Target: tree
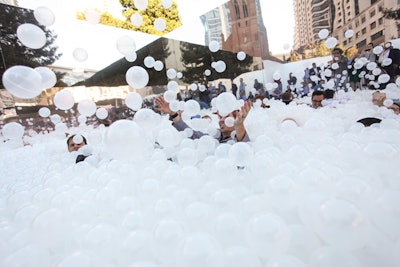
{"x":393,"y":14}
{"x":154,"y":10}
{"x":196,"y":59}
{"x":13,"y":52}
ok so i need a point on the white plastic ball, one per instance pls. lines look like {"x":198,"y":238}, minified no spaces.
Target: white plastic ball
{"x":349,"y":33}
{"x":137,"y":77}
{"x":241,"y":154}
{"x":160,"y":24}
{"x":377,"y":50}
{"x":134,"y":101}
{"x":125,"y":140}
{"x":191,"y":107}
{"x":384,"y":78}
{"x":136,"y":20}
{"x":44,"y":112}
{"x":31,"y":35}
{"x":141,"y":4}
{"x":64,"y":100}
{"x":126,"y":45}
{"x":158,"y":65}
{"x":213,"y":46}
{"x":331,"y":42}
{"x":49,"y":78}
{"x":241,"y":55}
{"x":22,"y":82}
{"x":131,"y":57}
{"x":149,"y":62}
{"x":322,"y":34}
{"x":101,"y":113}
{"x":171,"y":73}
{"x":87,"y":107}
{"x":173,"y":86}
{"x":207,"y":72}
{"x":13,"y":130}
{"x":226,"y":103}
{"x":44,"y":16}
{"x":169,"y":95}
{"x":166,"y":3}
{"x":80,"y":54}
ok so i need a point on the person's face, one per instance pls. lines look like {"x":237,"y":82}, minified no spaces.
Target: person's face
{"x":317,"y":101}
{"x":74,"y":147}
{"x":225,"y":130}
{"x":369,"y":47}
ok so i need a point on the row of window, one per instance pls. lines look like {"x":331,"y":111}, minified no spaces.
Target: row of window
{"x":237,"y":9}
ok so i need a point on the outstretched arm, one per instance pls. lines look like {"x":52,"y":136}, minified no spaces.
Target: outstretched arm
{"x":240,"y":116}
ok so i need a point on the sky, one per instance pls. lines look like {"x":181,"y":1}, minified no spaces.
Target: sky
{"x":99,"y":40}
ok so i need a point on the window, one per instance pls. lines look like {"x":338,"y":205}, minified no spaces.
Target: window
{"x":364,"y":31}
{"x":357,"y":23}
{"x":381,"y":20}
{"x":372,"y":13}
{"x":373,"y":25}
{"x":345,"y":42}
{"x":358,"y":35}
{"x":245,"y":11}
{"x":237,"y":10}
{"x":373,"y":1}
{"x":362,"y":43}
{"x":376,"y":35}
{"x":362,"y":20}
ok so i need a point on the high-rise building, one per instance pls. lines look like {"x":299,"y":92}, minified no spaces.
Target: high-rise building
{"x":311,"y":17}
{"x":363,"y":17}
{"x":9,"y":2}
{"x":217,"y":24}
{"x":238,"y":26}
{"x":248,"y":31}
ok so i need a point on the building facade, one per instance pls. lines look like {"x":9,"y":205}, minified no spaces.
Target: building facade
{"x":363,"y":17}
{"x":248,"y":31}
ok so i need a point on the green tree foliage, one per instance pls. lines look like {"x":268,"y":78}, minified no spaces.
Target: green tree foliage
{"x":154,"y":10}
{"x":13,"y":52}
{"x":393,"y":14}
{"x":196,"y":59}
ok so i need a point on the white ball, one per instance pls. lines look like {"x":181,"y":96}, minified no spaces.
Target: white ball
{"x":171,"y":73}
{"x":101,"y":113}
{"x":49,"y":78}
{"x":80,"y":54}
{"x":322,"y":34}
{"x":137,"y":77}
{"x":22,"y":82}
{"x":126,"y":45}
{"x":134,"y":101}
{"x":349,"y":33}
{"x":64,"y":100}
{"x":31,"y":35}
{"x":173,"y":86}
{"x":331,"y":42}
{"x":149,"y":62}
{"x":158,"y":65}
{"x":241,"y":55}
{"x":213,"y":46}
{"x":166,"y":3}
{"x":377,"y":50}
{"x":92,"y":16}
{"x":141,"y":4}
{"x":44,"y":112}
{"x":87,"y":107}
{"x":136,"y":20}
{"x":125,"y":140}
{"x":44,"y":16}
{"x":13,"y":130}
{"x":160,"y":24}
